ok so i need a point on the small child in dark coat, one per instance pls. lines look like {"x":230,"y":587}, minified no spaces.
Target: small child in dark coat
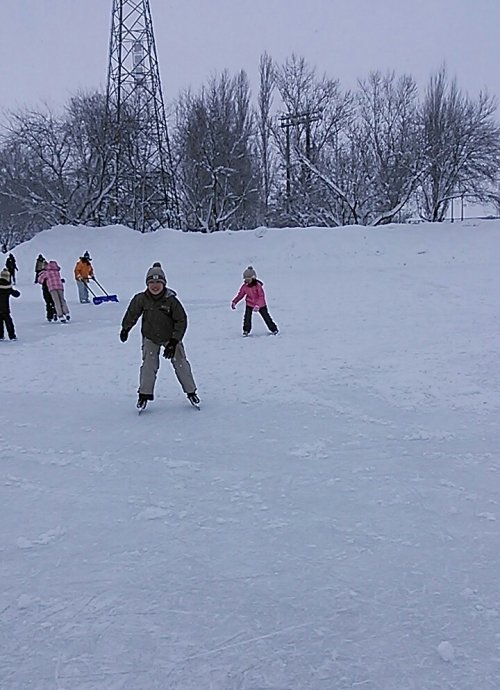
{"x":6,"y":292}
{"x":11,"y":266}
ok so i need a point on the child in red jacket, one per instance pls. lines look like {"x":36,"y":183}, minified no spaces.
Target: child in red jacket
{"x":253,"y":291}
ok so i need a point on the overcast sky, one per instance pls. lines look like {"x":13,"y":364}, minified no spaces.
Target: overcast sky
{"x":49,"y":49}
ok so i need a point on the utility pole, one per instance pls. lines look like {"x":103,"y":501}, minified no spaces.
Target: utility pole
{"x":145,"y":194}
{"x":295,"y":120}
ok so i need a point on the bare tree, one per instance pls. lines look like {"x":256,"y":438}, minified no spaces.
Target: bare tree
{"x":317,"y":111}
{"x":213,"y":141}
{"x":461,"y":146}
{"x":264,"y":128}
{"x":15,"y":222}
{"x":389,"y":136}
{"x":15,"y":225}
{"x":85,"y":122}
{"x":39,"y":155}
{"x":54,"y":168}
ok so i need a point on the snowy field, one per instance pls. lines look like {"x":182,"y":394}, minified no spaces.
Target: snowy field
{"x":329,"y":520}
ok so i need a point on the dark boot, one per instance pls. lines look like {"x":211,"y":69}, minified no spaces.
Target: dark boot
{"x":143,"y":400}
{"x":193,"y":398}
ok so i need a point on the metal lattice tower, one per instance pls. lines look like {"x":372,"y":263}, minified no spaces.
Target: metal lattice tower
{"x":144,"y":186}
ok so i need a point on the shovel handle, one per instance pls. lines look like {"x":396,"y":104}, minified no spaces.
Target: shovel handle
{"x":98,"y":283}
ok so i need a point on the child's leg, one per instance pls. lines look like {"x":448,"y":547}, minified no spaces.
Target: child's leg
{"x":64,"y":304}
{"x":263,"y":311}
{"x":247,"y":320}
{"x":10,"y":326}
{"x":149,"y":367}
{"x":2,"y":317}
{"x":57,"y":302}
{"x":182,"y":369}
{"x":49,"y":307}
{"x":50,"y":310}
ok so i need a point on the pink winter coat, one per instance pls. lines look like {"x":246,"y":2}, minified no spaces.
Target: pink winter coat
{"x":254,"y":295}
{"x":51,"y":276}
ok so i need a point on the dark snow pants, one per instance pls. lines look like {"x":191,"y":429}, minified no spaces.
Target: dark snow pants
{"x":263,"y":311}
{"x":9,"y":324}
{"x":49,"y":303}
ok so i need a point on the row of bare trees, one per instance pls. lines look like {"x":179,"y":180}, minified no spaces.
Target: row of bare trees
{"x":53,"y":170}
{"x":379,"y":153}
{"x":306,"y":153}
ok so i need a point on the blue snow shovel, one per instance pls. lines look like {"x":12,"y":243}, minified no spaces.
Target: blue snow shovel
{"x":99,"y":299}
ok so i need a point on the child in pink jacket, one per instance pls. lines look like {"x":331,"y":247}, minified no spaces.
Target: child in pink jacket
{"x":253,"y":292}
{"x":51,"y":276}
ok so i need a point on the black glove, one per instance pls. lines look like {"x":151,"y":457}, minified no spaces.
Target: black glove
{"x":123,"y":335}
{"x":169,"y":350}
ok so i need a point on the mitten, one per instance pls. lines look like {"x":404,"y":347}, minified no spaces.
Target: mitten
{"x":169,"y":350}
{"x":124,"y":335}
{"x":233,"y":305}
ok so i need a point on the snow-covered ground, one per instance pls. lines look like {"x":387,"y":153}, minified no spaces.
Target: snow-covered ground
{"x":329,"y":520}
